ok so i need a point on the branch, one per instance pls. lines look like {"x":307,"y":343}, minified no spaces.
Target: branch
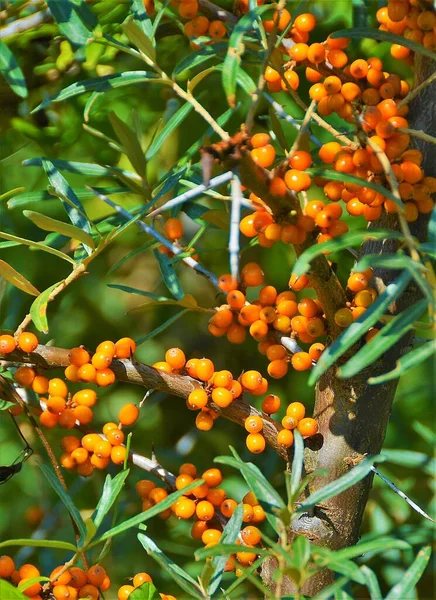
{"x":217,"y":12}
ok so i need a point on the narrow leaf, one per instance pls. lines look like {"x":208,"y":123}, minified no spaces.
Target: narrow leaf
{"x":197,"y":58}
{"x":357,"y":329}
{"x":399,"y":262}
{"x":139,"y":38}
{"x":74,"y":18}
{"x":371,"y":583}
{"x":130,"y":290}
{"x":5,"y":404}
{"x":374,"y":547}
{"x":38,"y":310}
{"x":111,"y":491}
{"x":411,"y":359}
{"x":335,"y":488}
{"x":49,"y":224}
{"x":9,"y":591}
{"x":65,"y":497}
{"x":19,"y":281}
{"x":297,"y":463}
{"x":182,"y":579}
{"x":146,"y":591}
{"x":387,"y":337}
{"x":411,"y":577}
{"x":161,"y":328}
{"x":11,"y":71}
{"x":229,"y":536}
{"x":99,"y":84}
{"x":141,"y":17}
{"x":130,"y":142}
{"x":37,"y":245}
{"x":169,"y":275}
{"x":178,"y":117}
{"x":35,"y":543}
{"x":82,"y":193}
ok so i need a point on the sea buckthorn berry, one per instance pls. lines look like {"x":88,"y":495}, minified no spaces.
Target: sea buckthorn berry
{"x":212,"y":477}
{"x":251,"y":380}
{"x":277,"y":187}
{"x":157,"y":494}
{"x":236,"y":389}
{"x":284,"y":296}
{"x":343,"y":317}
{"x":125,"y":590}
{"x":40,"y":384}
{"x":118,"y":454}
{"x":79,"y":356}
{"x":296,"y":410}
{"x":300,"y":160}
{"x":87,"y":373}
{"x":297,"y":181}
{"x":173,"y":229}
{"x":277,"y":369}
{"x":271,"y":404}
{"x":125,"y":347}
{"x":251,"y":535}
{"x":337,"y":58}
{"x":211,"y":536}
{"x":252,"y":275}
{"x":217,"y":29}
{"x":316,"y":53}
{"x":236,"y":299}
{"x":104,"y":377}
{"x":96,"y":575}
{"x":260,"y":139}
{"x":285,"y":438}
{"x":197,"y":399}
{"x":69,"y":443}
{"x":222,"y":397}
{"x":162,"y":365}
{"x":316,"y":350}
{"x":357,"y":282}
{"x":198,"y":528}
{"x":83,"y":414}
{"x":259,"y":329}
{"x":253,"y":424}
{"x":115,"y":436}
{"x":289,"y":422}
{"x":30,"y":589}
{"x":48,"y":419}
{"x":264,"y":156}
{"x":305,"y":22}
{"x":301,"y":361}
{"x":25,"y":376}
{"x":317,"y":92}
{"x":204,"y":369}
{"x":80,"y":455}
{"x":292,"y":80}
{"x":308,"y":308}
{"x":78,"y":577}
{"x":141,"y":578}
{"x":227,"y":283}
{"x":247,"y":510}
{"x":216,"y":496}
{"x":71,"y":373}
{"x":175,"y":358}
{"x":255,"y":442}
{"x":67,"y":419}
{"x":27,"y":341}
{"x":57,"y":387}
{"x":246,"y":558}
{"x":228,"y":507}
{"x":85,"y":397}
{"x":108,"y":426}
{"x":101,"y":360}
{"x":205,"y":510}
{"x":298,"y":283}
{"x":128,"y":414}
{"x":90,"y":592}
{"x":86,"y":469}
{"x":204,"y":421}
{"x":223,"y":318}
{"x":276,"y":352}
{"x":90,"y":440}
{"x":7,"y":566}
{"x":307,"y":427}
{"x":223,"y":379}
{"x":144,"y":487}
{"x":102,"y":449}
{"x":7,"y":344}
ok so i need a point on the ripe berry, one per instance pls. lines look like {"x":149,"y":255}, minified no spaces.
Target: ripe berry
{"x":115,"y":436}
{"x":285,"y":438}
{"x":123,"y":593}
{"x":27,"y":341}
{"x":228,"y":507}
{"x":222,"y":397}
{"x":85,"y":397}
{"x":343,"y":317}
{"x":87,"y":372}
{"x":83,"y":414}
{"x":205,"y":510}
{"x":128,"y":414}
{"x":7,"y":344}
{"x":252,"y":275}
{"x":175,"y":358}
{"x":57,"y":387}
{"x":204,"y":369}
{"x":96,"y":575}
{"x":301,"y":361}
{"x":204,"y":421}
{"x":48,"y":419}
{"x":255,"y":442}
{"x":104,"y":377}
{"x":253,"y":424}
{"x":298,"y":283}
{"x":296,"y":410}
{"x":141,"y":578}
{"x":307,"y":427}
{"x":90,"y":592}
{"x":7,"y":567}
{"x":277,"y":369}
{"x":67,"y":419}
{"x":357,"y":282}
{"x":251,"y":380}
{"x":197,"y":399}
{"x":24,"y":376}
{"x":227,"y":283}
{"x":271,"y":404}
{"x":118,"y":455}
{"x":125,"y":347}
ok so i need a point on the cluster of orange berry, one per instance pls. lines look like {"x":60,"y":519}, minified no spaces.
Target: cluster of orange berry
{"x":209,"y":505}
{"x":199,"y":25}
{"x":95,"y":451}
{"x":138,"y":580}
{"x":71,"y":584}
{"x":413,"y":19}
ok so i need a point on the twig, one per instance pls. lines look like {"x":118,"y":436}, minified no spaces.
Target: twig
{"x":304,"y":125}
{"x":235,"y":217}
{"x":281,"y":113}
{"x":194,"y":193}
{"x":417,"y":90}
{"x":217,"y":12}
{"x":24,"y":24}
{"x":419,"y":134}
{"x":188,"y":260}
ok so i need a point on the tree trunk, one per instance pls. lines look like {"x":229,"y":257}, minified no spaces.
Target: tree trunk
{"x":353,"y":415}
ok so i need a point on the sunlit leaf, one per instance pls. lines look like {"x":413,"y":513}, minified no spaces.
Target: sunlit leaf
{"x":401,"y":590}
{"x":36,"y":245}
{"x":199,"y":57}
{"x":146,"y":591}
{"x":141,"y":17}
{"x":229,"y":536}
{"x":111,"y":490}
{"x":41,"y":196}
{"x":49,"y":224}
{"x":15,"y":278}
{"x":139,"y":38}
{"x":178,"y":117}
{"x":76,"y":21}
{"x":38,"y":310}
{"x":130,"y":142}
{"x":11,"y":71}
{"x":36,"y":543}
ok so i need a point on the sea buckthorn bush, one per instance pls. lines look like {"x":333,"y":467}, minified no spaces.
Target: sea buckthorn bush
{"x":212,"y":283}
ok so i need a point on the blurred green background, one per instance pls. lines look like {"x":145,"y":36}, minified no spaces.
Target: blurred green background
{"x":89,"y":311}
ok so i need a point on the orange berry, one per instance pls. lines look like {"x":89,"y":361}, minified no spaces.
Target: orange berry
{"x":157,"y":494}
{"x":216,"y":496}
{"x":297,"y":410}
{"x":307,"y":427}
{"x":90,"y":440}
{"x":25,"y":376}
{"x":246,"y":558}
{"x":67,"y":418}
{"x":204,"y":421}
{"x":228,"y":507}
{"x":276,"y":352}
{"x":71,"y":373}
{"x":104,"y":377}
{"x":264,"y":156}
{"x":357,"y":282}
{"x":173,"y":229}
{"x":292,"y":80}
{"x":271,"y":404}
{"x":115,"y":436}
{"x":277,"y":369}
{"x":205,"y":510}
{"x":48,"y":419}
{"x":85,"y":397}
{"x":7,"y":566}
{"x":227,"y":283}
{"x":301,"y":361}
{"x":222,"y":397}
{"x":253,"y":424}
{"x":343,"y":317}
{"x":96,"y":575}
{"x":260,"y":139}
{"x":305,"y":22}
{"x":79,"y":356}
{"x":255,"y":442}
{"x":141,"y":578}
{"x":90,"y":592}
{"x":211,"y":536}
{"x":297,"y":181}
{"x":204,"y":369}
{"x":125,"y":590}
{"x":259,"y":329}
{"x":251,"y":380}
{"x":125,"y":347}
{"x":101,"y":360}
{"x":223,"y":318}
{"x":87,"y":373}
{"x":83,"y":414}
{"x":102,"y":448}
{"x":78,"y":577}
{"x":128,"y":414}
{"x":144,"y":487}
{"x":223,"y":379}
{"x":217,"y":29}
{"x":118,"y":454}
{"x":27,"y":341}
{"x":300,"y":160}
{"x":285,"y":438}
{"x":197,"y":399}
{"x":316,"y":350}
{"x":236,"y":299}
{"x":175,"y":358}
{"x":212,"y":477}
{"x":7,"y":344}
{"x":252,"y":275}
{"x":80,"y":455}
{"x":163,"y":366}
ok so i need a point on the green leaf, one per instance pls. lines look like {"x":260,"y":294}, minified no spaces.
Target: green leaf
{"x":242,"y":79}
{"x":349,"y":569}
{"x":411,"y":359}
{"x":169,"y":275}
{"x":226,"y":549}
{"x":276,"y":126}
{"x":12,"y":72}
{"x":411,"y":577}
{"x":410,"y":459}
{"x":141,"y":17}
{"x":38,"y":310}
{"x":35,"y":543}
{"x":387,"y":337}
{"x":24,"y":584}
{"x":399,"y":262}
{"x":359,"y":327}
{"x":374,"y":547}
{"x":49,"y":224}
{"x":65,"y":497}
{"x":71,"y":202}
{"x":182,"y":578}
{"x":425,"y":432}
{"x":9,"y":591}
{"x":384,"y":36}
{"x":146,"y":514}
{"x":146,"y":591}
{"x":431,"y":229}
{"x":301,"y":551}
{"x":82,"y":193}
{"x":236,"y":50}
{"x":429,"y":249}
{"x":371,"y":582}
{"x":330,"y":591}
{"x":130,"y":255}
{"x":297,"y":464}
{"x":130,"y":142}
{"x":139,"y":38}
{"x":37,"y":245}
{"x":130,"y":290}
{"x":178,"y":117}
{"x":334,"y":488}
{"x":74,"y":18}
{"x":99,"y":84}
{"x":5,"y":404}
{"x":161,"y":328}
{"x":229,"y":536}
{"x":19,"y":281}
{"x":346,"y":178}
{"x":199,"y":57}
{"x":79,"y":168}
{"x":216,"y":217}
{"x":111,"y":491}
{"x":349,"y":239}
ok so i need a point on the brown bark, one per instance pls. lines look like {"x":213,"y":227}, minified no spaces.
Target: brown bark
{"x":353,"y":416}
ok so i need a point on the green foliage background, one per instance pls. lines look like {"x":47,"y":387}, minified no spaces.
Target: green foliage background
{"x":89,"y":311}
